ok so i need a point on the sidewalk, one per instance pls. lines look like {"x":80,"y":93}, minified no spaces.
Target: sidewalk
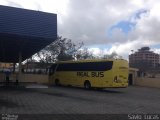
{"x":36,"y":86}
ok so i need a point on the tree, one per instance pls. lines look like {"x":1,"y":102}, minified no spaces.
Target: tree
{"x":60,"y":50}
{"x":84,"y":54}
{"x":113,"y":55}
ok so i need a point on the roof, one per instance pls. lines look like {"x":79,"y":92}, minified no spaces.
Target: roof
{"x":30,"y":65}
{"x":133,"y":69}
{"x":24,"y":31}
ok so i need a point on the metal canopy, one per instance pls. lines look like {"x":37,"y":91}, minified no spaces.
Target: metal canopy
{"x":24,"y":31}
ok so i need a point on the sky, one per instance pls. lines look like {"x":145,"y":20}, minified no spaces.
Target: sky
{"x":105,"y":26}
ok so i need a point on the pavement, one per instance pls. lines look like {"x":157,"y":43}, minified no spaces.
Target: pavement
{"x":36,"y":86}
{"x":45,"y":101}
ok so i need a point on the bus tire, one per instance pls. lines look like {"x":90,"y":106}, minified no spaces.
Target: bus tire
{"x":57,"y":82}
{"x":87,"y":85}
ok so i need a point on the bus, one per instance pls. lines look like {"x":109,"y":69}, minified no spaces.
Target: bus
{"x":90,"y":73}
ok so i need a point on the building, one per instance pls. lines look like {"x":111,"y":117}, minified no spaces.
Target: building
{"x":132,"y":76}
{"x":36,"y":67}
{"x":5,"y":66}
{"x":24,"y":32}
{"x":144,"y":58}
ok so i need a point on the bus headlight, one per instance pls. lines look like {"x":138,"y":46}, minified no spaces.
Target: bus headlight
{"x":115,"y":79}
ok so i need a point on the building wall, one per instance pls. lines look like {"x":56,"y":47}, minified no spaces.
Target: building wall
{"x":133,"y":71}
{"x":148,"y":82}
{"x":6,"y":65}
{"x":28,"y":78}
{"x":2,"y":77}
{"x":42,"y":79}
{"x":144,"y":54}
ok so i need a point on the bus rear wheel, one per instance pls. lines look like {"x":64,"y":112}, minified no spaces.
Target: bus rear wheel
{"x":87,"y":85}
{"x":57,"y":82}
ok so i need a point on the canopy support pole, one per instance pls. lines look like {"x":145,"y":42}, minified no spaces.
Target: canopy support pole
{"x":20,"y":67}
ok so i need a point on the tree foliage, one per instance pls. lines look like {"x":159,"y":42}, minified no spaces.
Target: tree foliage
{"x":60,"y":50}
{"x":113,"y":55}
{"x":63,"y":49}
{"x":84,"y":54}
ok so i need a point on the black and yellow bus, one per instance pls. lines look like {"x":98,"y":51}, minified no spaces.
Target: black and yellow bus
{"x":90,"y":73}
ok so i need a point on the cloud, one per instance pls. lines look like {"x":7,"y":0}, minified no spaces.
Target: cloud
{"x":122,"y":49}
{"x":125,"y":26}
{"x":119,"y":32}
{"x":92,"y":19}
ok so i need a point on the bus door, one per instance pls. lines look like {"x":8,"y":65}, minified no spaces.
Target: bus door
{"x":62,"y":74}
{"x":51,"y":75}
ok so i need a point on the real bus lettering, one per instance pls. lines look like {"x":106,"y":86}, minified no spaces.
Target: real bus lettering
{"x":83,"y":74}
{"x":92,"y":74}
{"x":97,"y":74}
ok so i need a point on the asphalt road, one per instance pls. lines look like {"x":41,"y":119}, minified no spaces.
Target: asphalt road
{"x":68,"y":100}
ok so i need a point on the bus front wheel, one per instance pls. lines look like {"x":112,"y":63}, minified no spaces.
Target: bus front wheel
{"x":87,"y":85}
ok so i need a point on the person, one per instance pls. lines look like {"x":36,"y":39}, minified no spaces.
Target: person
{"x":17,"y":82}
{"x":7,"y":73}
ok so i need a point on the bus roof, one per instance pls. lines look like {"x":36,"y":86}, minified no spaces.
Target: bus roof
{"x":93,"y":60}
